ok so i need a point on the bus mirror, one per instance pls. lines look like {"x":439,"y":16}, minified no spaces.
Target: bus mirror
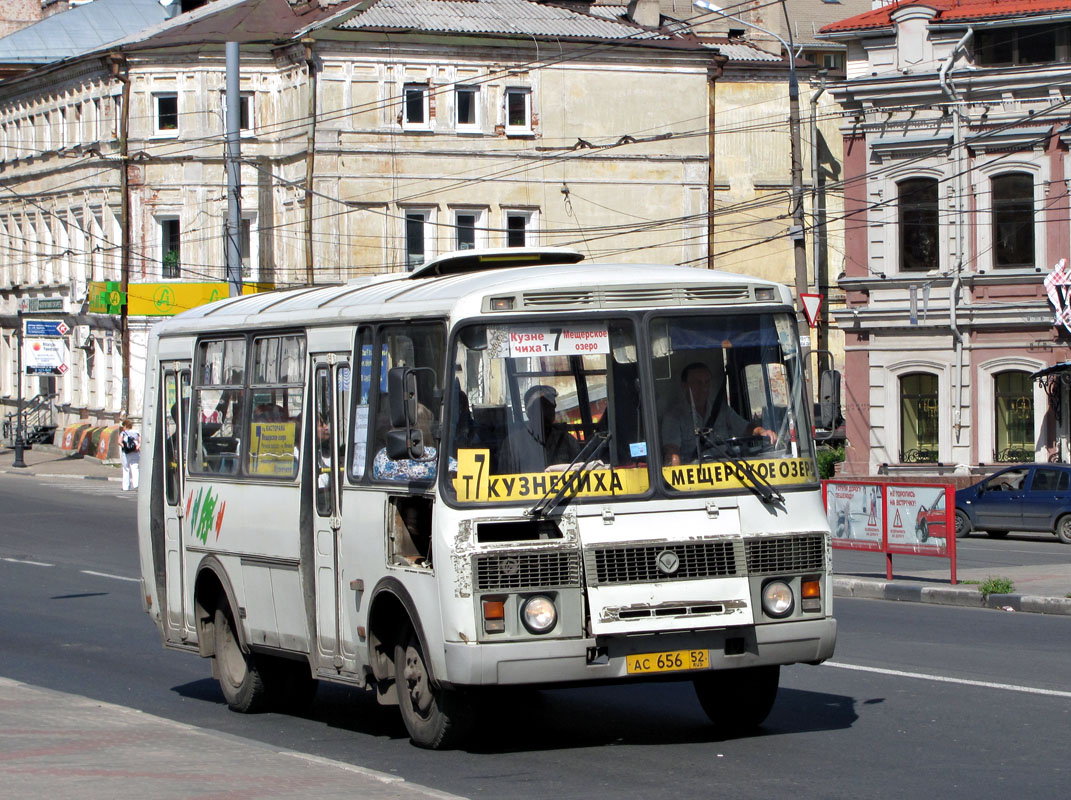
{"x":405,"y":443}
{"x":474,"y":337}
{"x":402,"y":396}
{"x":828,"y":399}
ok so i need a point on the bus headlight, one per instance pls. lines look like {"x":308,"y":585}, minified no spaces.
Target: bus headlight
{"x":777,"y":600}
{"x":539,"y":614}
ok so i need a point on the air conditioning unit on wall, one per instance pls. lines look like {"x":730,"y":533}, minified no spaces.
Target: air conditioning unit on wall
{"x":82,"y":337}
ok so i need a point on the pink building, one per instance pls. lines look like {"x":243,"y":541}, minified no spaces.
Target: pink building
{"x":956,"y":131}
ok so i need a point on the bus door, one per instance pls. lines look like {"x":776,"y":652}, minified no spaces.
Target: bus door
{"x":331,"y":388}
{"x":175,"y":408}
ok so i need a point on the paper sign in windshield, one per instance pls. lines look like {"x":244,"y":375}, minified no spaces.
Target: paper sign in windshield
{"x":475,"y":484}
{"x":559,"y":340}
{"x":726,"y":475}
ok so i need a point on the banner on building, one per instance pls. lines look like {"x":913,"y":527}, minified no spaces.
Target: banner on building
{"x":44,"y":347}
{"x":161,"y":299}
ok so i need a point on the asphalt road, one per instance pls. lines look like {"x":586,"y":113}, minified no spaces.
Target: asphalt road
{"x":919,"y":700}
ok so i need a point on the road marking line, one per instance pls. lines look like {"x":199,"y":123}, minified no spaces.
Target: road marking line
{"x":106,"y":575}
{"x":24,"y":561}
{"x":1011,"y":687}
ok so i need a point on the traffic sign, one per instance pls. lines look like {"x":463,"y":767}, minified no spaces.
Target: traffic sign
{"x":42,"y":328}
{"x":811,"y":304}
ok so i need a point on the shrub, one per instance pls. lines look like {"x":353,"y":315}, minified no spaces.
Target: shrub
{"x":997,"y":585}
{"x":828,"y":458}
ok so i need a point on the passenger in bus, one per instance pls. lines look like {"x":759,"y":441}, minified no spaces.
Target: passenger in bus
{"x":323,"y":453}
{"x":540,"y":442}
{"x":703,"y":405}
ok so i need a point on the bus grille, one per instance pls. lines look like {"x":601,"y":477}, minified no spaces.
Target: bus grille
{"x":500,"y":571}
{"x":770,"y":554}
{"x":640,"y":564}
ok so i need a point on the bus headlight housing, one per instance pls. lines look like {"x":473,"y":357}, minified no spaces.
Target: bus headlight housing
{"x":538,"y":614}
{"x":777,"y":599}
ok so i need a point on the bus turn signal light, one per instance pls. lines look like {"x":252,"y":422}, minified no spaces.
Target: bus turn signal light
{"x":494,"y":615}
{"x":811,"y":592}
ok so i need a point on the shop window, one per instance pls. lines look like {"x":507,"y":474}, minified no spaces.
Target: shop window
{"x":1014,"y":400}
{"x":918,"y":221}
{"x":1013,"y":220}
{"x":918,"y":418}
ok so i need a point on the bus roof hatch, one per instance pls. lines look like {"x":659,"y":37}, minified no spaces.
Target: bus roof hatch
{"x":462,"y":261}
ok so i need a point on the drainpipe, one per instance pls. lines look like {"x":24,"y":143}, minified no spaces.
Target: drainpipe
{"x":961,"y":196}
{"x":818,"y":236}
{"x":310,"y":159}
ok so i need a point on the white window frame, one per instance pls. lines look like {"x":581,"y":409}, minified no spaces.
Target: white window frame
{"x":159,"y":132}
{"x":162,"y":220}
{"x":427,"y":214}
{"x":984,"y":181}
{"x":479,"y":229}
{"x":517,"y":130}
{"x":890,"y":249}
{"x":888,"y":450}
{"x":987,"y":405}
{"x":468,"y":127}
{"x":252,"y":255}
{"x":246,"y":99}
{"x":531,"y":225}
{"x":425,"y":90}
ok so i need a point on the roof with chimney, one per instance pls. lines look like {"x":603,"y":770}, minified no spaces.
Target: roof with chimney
{"x":951,"y":12}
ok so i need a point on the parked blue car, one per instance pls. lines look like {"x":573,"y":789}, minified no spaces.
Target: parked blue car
{"x":1027,"y":497}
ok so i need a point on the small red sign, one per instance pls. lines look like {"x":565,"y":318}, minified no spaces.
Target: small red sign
{"x":811,"y":304}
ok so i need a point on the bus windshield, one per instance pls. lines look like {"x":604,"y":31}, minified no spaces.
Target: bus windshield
{"x":530,"y":397}
{"x":729,"y":400}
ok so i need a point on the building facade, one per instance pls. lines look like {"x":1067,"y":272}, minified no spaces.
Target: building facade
{"x":956,"y":210}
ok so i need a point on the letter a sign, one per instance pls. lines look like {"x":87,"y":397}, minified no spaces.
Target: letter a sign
{"x":811,"y":304}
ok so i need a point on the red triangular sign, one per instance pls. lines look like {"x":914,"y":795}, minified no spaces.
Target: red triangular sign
{"x":811,"y":304}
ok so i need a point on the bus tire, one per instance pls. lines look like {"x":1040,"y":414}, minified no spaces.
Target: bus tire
{"x":240,"y":680}
{"x":738,"y":700}
{"x":436,"y":718}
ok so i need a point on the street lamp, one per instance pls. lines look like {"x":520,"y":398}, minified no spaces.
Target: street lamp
{"x":799,"y":245}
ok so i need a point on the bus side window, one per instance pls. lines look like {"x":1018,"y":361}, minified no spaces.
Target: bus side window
{"x":362,"y":403}
{"x":420,"y":346}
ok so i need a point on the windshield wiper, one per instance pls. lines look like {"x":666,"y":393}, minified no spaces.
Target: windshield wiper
{"x":761,"y":487}
{"x":588,"y":453}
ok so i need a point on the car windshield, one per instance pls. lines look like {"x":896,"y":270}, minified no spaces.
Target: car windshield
{"x":730,"y":402}
{"x":532,"y":399}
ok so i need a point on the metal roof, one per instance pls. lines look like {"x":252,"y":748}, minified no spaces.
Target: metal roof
{"x":78,"y":30}
{"x":950,"y":11}
{"x":520,"y":17}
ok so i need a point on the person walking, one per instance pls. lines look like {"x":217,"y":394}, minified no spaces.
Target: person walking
{"x":130,"y":455}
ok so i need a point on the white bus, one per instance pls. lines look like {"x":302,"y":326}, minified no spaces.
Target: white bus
{"x":505,"y":468}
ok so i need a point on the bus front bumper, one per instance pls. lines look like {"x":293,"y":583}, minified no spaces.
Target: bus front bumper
{"x":551,"y":661}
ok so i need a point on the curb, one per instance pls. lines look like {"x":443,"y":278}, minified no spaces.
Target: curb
{"x":66,"y":475}
{"x":948,"y":596}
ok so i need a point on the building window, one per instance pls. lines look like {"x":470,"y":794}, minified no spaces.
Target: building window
{"x":1033,"y":44}
{"x":1014,"y":395}
{"x":417,"y":237}
{"x":170,"y":248}
{"x":245,"y":111}
{"x":918,"y":418}
{"x":166,"y":113}
{"x":415,"y":105}
{"x":469,"y":229}
{"x":519,"y":231}
{"x":1013,"y":220}
{"x":466,"y":103}
{"x":518,"y":110}
{"x":833,"y":61}
{"x":245,"y":239}
{"x":917,"y":204}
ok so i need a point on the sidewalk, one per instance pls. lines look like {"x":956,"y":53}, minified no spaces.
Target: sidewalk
{"x":54,"y":744}
{"x":1039,"y":589}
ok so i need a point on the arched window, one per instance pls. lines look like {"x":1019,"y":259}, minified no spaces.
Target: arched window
{"x":1014,"y":400}
{"x":917,"y":216}
{"x":1013,"y":220}
{"x":918,"y":417}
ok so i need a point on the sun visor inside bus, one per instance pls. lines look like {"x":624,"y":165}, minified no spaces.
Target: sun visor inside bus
{"x":462,"y":261}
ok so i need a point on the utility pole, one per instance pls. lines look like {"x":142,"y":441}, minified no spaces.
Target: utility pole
{"x":234,"y":172}
{"x":20,"y":432}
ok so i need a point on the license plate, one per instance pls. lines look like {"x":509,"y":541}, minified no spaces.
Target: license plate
{"x":672,"y":661}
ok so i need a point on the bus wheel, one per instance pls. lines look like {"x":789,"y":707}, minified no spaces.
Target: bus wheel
{"x":435,"y":718}
{"x":239,"y":679}
{"x":738,"y":700}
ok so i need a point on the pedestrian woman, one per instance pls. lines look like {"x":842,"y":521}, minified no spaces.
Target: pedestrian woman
{"x":130,"y":455}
